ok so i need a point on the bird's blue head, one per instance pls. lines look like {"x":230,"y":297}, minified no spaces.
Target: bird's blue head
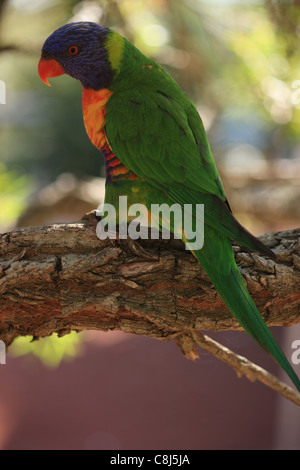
{"x":79,"y":50}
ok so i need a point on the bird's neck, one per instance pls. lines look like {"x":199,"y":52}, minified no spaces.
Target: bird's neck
{"x":132,"y":69}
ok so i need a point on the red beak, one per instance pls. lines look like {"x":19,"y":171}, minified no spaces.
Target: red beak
{"x":49,"y":68}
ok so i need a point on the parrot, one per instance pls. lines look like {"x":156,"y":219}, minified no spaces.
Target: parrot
{"x":156,"y":151}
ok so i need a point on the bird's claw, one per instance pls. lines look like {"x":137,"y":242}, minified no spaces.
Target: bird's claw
{"x":92,"y":218}
{"x":137,"y":250}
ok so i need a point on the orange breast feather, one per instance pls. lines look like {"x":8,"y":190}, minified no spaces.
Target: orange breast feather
{"x":94,"y":110}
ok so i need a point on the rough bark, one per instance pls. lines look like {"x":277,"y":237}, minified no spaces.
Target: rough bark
{"x":60,"y":278}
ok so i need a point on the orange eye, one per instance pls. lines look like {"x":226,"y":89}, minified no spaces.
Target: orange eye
{"x":73,"y":50}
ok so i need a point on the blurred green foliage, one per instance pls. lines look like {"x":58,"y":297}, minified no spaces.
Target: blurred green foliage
{"x":236,"y":60}
{"x":232,"y":58}
{"x":14,"y":188}
{"x":50,"y":351}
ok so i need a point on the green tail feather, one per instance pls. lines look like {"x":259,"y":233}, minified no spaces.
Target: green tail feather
{"x":232,"y":289}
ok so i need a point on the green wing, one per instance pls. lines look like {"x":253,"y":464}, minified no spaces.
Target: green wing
{"x":161,"y":138}
{"x":153,"y":134}
{"x":158,"y":134}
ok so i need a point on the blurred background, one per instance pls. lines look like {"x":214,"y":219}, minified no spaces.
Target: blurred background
{"x":240,"y":63}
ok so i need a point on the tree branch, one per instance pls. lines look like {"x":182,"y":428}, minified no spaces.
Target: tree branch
{"x":60,"y":278}
{"x":243,"y":366}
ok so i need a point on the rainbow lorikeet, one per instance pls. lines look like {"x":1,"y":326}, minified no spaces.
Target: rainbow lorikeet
{"x":156,"y":151}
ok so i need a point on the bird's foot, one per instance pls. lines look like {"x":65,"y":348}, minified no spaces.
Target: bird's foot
{"x":137,"y":250}
{"x":92,"y":217}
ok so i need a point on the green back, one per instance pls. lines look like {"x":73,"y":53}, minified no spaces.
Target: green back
{"x":156,"y":131}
